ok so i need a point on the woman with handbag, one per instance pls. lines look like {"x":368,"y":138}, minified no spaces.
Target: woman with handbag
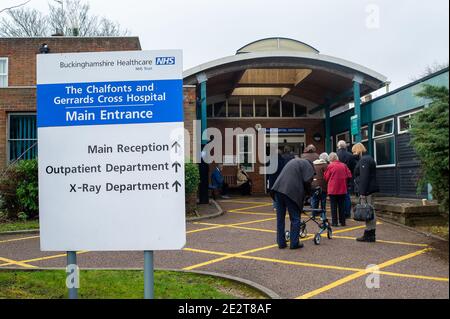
{"x":365,"y":186}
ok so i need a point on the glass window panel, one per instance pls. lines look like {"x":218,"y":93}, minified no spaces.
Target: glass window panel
{"x":2,"y":66}
{"x":274,"y":108}
{"x":209,"y":110}
{"x":384,"y":128}
{"x":385,"y":151}
{"x":22,"y":137}
{"x":404,"y":123}
{"x":247,"y":107}
{"x":220,"y":109}
{"x":364,"y":133}
{"x":343,"y":137}
{"x":300,"y":111}
{"x":287,"y":109}
{"x":260,"y":107}
{"x":3,"y":81}
{"x":233,"y":107}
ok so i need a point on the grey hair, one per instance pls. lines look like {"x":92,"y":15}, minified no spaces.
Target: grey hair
{"x":333,"y":157}
{"x":342,"y":144}
{"x":324,"y":157}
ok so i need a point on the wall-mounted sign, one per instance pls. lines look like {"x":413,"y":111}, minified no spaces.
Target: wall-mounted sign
{"x":285,"y":130}
{"x":354,"y":125}
{"x":111,"y":158}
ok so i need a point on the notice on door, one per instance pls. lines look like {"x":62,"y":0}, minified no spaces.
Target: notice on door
{"x":111,"y":151}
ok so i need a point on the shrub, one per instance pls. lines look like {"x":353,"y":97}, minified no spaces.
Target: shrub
{"x":430,"y":138}
{"x":192,"y":178}
{"x":19,"y":190}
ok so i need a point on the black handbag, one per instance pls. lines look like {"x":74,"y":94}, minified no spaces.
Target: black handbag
{"x":363,"y":212}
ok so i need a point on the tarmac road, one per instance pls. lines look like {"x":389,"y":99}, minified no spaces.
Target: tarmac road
{"x":241,"y":243}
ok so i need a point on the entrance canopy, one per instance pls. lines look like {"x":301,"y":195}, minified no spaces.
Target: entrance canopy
{"x":286,"y":69}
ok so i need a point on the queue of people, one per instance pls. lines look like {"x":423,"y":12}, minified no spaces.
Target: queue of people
{"x":243,"y":181}
{"x":336,"y":175}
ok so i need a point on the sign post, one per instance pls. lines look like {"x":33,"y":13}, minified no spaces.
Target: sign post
{"x":111,"y":153}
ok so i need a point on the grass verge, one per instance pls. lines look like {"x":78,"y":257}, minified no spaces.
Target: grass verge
{"x":18,"y":225}
{"x":120,"y":284}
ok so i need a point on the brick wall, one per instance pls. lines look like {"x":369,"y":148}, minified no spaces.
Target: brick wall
{"x":311,"y":126}
{"x":21,"y":52}
{"x":190,"y":115}
{"x":20,"y":96}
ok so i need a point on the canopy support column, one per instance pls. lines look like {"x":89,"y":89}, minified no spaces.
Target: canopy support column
{"x":357,"y":100}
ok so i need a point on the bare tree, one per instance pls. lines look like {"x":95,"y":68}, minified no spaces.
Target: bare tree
{"x":14,"y":7}
{"x":73,"y":18}
{"x":430,"y":69}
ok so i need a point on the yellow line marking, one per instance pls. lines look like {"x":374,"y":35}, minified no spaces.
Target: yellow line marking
{"x":43,"y":258}
{"x":360,"y":274}
{"x":245,"y":202}
{"x":15,"y":262}
{"x":203,"y":229}
{"x":251,"y":207}
{"x":18,"y":239}
{"x":251,"y":213}
{"x":209,"y":252}
{"x":311,"y":265}
{"x":387,"y":241}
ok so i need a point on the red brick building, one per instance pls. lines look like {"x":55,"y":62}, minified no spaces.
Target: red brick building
{"x":18,"y":85}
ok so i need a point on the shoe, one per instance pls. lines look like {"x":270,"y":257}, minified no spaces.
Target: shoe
{"x":282,"y":247}
{"x":343,"y":224}
{"x":368,"y":237}
{"x":300,"y":245}
{"x":225,"y":197}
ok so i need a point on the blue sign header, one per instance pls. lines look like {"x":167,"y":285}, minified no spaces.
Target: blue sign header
{"x":105,"y":103}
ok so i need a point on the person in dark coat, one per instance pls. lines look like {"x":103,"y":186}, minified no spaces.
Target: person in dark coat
{"x":365,"y":186}
{"x":289,"y":191}
{"x":310,"y":154}
{"x":348,"y":159}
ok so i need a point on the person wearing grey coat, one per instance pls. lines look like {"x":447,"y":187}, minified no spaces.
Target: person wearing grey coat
{"x":289,"y":192}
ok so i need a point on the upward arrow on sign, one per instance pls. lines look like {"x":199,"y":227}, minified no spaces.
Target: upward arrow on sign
{"x":176,"y":185}
{"x":176,"y":165}
{"x":176,"y":146}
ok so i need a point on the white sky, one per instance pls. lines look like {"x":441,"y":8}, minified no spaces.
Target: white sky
{"x":411,"y":34}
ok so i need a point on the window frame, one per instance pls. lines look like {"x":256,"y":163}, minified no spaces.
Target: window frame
{"x":375,"y":151}
{"x":6,"y":59}
{"x":8,"y":134}
{"x":362,"y":140}
{"x":381,"y":122}
{"x":342,"y":133}
{"x":251,"y":151}
{"x":399,"y":132}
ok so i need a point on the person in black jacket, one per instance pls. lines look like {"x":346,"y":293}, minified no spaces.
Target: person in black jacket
{"x":365,"y":185}
{"x":348,"y":159}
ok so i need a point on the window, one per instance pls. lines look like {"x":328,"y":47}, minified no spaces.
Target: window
{"x":245,"y":148}
{"x":247,"y":107}
{"x":385,"y":151}
{"x":220,"y":109}
{"x":383,"y":128}
{"x":343,"y":137}
{"x":3,"y":72}
{"x":364,"y":135}
{"x":260,"y":107}
{"x":384,"y":143}
{"x":234,"y":108}
{"x":300,"y":110}
{"x":287,"y":109}
{"x":22,"y":137}
{"x":403,"y":122}
{"x":210,"y":110}
{"x":274,"y":108}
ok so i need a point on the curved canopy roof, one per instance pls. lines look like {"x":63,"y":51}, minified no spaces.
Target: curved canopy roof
{"x":290,"y":69}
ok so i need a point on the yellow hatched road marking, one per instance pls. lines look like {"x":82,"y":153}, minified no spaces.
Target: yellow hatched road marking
{"x":15,"y":262}
{"x":42,"y":258}
{"x":251,"y":207}
{"x":245,"y":202}
{"x":387,"y":241}
{"x":251,"y":213}
{"x":18,"y":239}
{"x":361,"y":273}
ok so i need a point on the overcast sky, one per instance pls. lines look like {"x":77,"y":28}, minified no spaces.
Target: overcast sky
{"x":396,"y":38}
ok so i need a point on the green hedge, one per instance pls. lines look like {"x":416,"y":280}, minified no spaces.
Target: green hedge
{"x":19,"y":190}
{"x":192,"y":176}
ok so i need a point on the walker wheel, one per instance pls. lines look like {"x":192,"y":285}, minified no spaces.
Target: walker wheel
{"x":303,"y":231}
{"x":317,"y":239}
{"x":330,"y":233}
{"x":287,"y":235}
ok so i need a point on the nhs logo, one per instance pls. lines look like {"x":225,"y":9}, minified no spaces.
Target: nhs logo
{"x":165,"y":60}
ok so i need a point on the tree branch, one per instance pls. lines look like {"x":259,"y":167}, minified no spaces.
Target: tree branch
{"x":14,"y":7}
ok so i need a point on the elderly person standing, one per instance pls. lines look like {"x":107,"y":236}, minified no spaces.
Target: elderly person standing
{"x":310,"y":154}
{"x":366,"y":185}
{"x":320,"y":166}
{"x":337,"y":176}
{"x":348,"y":159}
{"x":289,"y":191}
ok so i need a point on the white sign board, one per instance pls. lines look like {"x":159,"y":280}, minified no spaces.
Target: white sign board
{"x":111,"y":158}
